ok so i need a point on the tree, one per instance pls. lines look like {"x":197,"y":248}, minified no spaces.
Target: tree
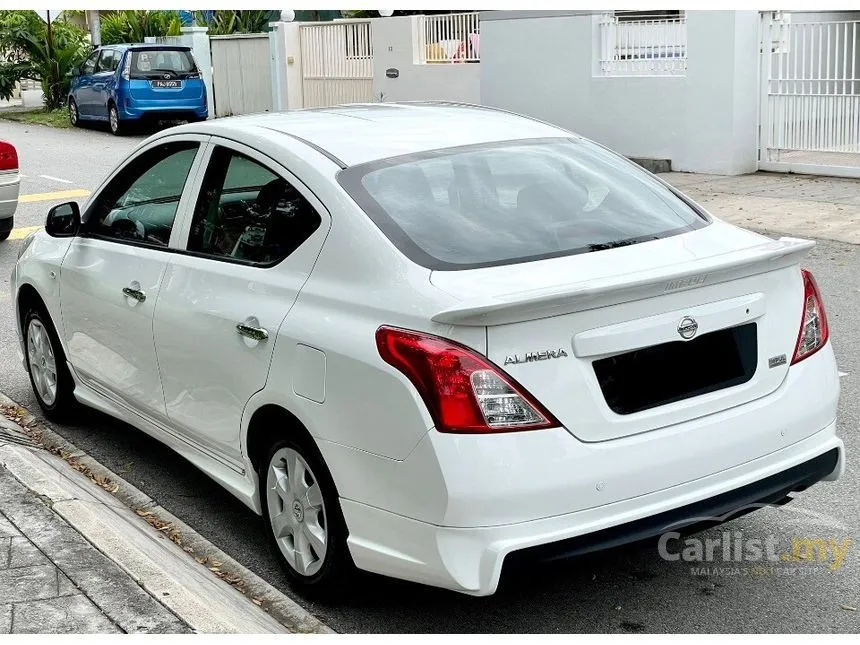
{"x":134,"y":26}
{"x":30,"y":54}
{"x":223,"y":22}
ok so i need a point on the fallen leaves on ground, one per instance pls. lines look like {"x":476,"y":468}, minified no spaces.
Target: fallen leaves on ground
{"x":19,"y":415}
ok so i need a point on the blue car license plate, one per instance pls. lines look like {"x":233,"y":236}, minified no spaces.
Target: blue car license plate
{"x":166,"y":85}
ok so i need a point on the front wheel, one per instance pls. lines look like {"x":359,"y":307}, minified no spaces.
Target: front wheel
{"x":49,"y":375}
{"x":304,"y":519}
{"x":116,"y":126}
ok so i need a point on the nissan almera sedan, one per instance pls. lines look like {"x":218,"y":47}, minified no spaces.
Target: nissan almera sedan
{"x":423,"y":340}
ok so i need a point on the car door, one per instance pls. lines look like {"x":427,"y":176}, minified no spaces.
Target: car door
{"x":111,"y":274}
{"x":104,"y":81}
{"x":254,"y":235}
{"x":83,"y":88}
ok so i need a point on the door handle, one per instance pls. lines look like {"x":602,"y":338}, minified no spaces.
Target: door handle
{"x":251,"y":329}
{"x":134,"y":294}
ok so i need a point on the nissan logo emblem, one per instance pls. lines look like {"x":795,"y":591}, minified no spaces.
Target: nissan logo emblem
{"x":688,"y":327}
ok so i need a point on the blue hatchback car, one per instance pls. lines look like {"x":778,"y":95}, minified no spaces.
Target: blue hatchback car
{"x":122,"y":84}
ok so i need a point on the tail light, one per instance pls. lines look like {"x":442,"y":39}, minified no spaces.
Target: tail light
{"x":464,"y":392}
{"x":813,"y":325}
{"x":195,"y":69}
{"x":126,"y":68}
{"x":8,"y":156}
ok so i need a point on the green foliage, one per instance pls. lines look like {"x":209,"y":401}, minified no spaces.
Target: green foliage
{"x":30,"y":55}
{"x":133,"y":26}
{"x":230,"y":21}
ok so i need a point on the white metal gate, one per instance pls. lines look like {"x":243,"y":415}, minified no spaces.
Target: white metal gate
{"x":242,"y":74}
{"x":337,"y":63}
{"x":810,"y":101}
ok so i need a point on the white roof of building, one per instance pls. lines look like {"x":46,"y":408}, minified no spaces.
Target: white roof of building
{"x":359,"y":133}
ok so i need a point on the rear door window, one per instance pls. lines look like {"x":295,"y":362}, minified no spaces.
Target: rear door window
{"x":502,"y":203}
{"x":161,"y":63}
{"x":108,"y":61}
{"x":247,"y":213}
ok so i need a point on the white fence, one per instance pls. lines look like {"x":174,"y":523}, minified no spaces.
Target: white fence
{"x":449,"y":38}
{"x":242,"y":77}
{"x":643,"y":47}
{"x":337,"y":62}
{"x":811,"y":107}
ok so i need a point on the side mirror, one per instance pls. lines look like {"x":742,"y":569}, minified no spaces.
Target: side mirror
{"x":63,"y":220}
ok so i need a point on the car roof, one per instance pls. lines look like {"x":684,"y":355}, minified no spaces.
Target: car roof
{"x":360,"y":133}
{"x":143,"y":46}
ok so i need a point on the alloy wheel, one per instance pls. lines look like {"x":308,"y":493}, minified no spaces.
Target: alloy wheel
{"x":43,"y":365}
{"x":114,"y":120}
{"x":297,"y":512}
{"x":73,"y":112}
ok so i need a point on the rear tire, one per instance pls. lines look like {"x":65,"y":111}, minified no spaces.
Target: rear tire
{"x":74,"y":116}
{"x":116,"y":126}
{"x":46,"y":362}
{"x":4,"y":236}
{"x":304,"y":521}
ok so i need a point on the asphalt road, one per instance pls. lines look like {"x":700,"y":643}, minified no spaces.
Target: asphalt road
{"x":624,"y":590}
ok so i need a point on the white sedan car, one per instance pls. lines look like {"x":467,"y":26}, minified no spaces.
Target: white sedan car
{"x":425,"y":339}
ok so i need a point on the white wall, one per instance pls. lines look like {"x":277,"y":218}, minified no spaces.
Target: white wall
{"x":705,"y":121}
{"x":395,"y":45}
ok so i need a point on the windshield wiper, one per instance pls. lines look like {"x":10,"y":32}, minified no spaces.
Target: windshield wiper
{"x":603,"y":246}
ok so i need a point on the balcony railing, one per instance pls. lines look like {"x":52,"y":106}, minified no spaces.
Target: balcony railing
{"x":449,"y":38}
{"x":643,"y":47}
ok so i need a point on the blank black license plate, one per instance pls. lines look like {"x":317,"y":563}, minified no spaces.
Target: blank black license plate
{"x":167,"y":85}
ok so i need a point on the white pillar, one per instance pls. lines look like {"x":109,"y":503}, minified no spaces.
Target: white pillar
{"x":199,"y":43}
{"x":286,"y":66}
{"x":278,"y":64}
{"x":94,"y":21}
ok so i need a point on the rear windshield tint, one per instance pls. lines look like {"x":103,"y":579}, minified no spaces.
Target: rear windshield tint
{"x":158,"y":63}
{"x":515,"y":202}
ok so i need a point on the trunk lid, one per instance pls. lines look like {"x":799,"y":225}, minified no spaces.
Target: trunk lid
{"x":660,"y":333}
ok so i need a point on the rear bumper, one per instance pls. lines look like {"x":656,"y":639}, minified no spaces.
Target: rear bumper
{"x":10,"y":183}
{"x":469,"y":560}
{"x":133,"y":109}
{"x":450,"y":513}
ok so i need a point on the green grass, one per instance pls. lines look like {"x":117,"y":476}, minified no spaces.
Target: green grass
{"x":55,"y":118}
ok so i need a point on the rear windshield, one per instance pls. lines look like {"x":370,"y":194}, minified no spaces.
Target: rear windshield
{"x":515,"y":202}
{"x":158,"y":63}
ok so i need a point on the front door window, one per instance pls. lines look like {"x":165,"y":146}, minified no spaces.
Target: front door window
{"x":139,"y":205}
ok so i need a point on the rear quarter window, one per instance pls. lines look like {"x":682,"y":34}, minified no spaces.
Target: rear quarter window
{"x":517,"y":201}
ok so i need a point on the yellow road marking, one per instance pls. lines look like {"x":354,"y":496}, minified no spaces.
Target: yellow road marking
{"x":55,"y":196}
{"x":21,"y":233}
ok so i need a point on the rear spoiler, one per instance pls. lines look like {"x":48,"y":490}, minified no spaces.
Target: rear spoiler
{"x":626,"y":287}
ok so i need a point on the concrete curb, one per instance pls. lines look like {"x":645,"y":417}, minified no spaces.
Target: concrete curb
{"x":280,"y":607}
